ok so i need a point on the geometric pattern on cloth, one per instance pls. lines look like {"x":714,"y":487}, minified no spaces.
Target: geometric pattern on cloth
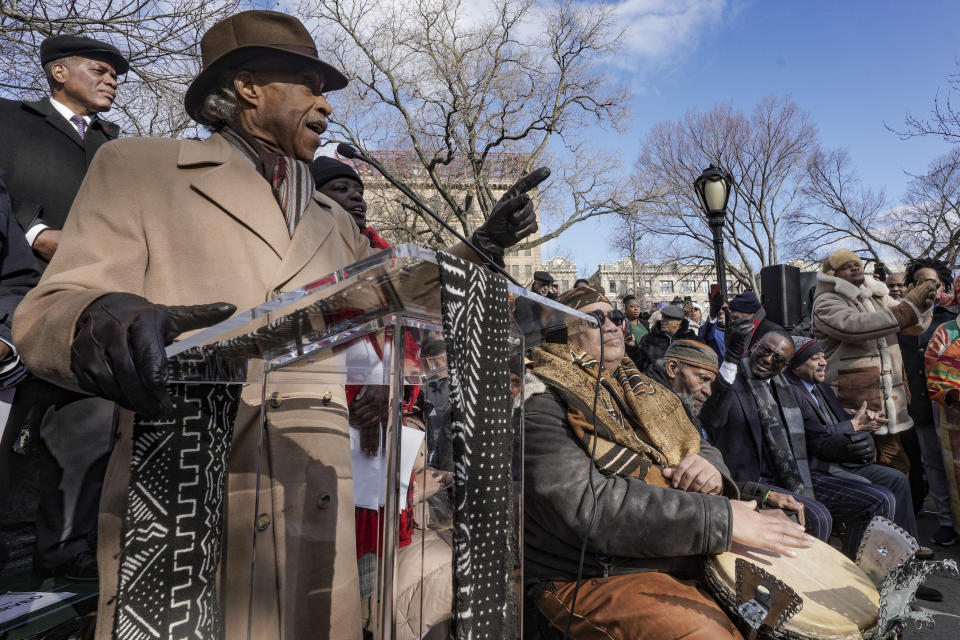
{"x":174,"y":521}
{"x":475,"y":330}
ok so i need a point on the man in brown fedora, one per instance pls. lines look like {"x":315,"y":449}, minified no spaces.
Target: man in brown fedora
{"x":162,"y":228}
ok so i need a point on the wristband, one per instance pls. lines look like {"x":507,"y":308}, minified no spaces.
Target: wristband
{"x":765,"y":496}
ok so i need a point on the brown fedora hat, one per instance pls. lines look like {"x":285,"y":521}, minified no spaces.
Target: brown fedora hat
{"x":247,"y":35}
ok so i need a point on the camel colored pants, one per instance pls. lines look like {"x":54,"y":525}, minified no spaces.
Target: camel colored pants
{"x":637,"y":606}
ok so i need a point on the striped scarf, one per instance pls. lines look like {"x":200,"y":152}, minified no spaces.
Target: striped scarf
{"x":781,"y":423}
{"x":289,"y":178}
{"x":642,"y":424}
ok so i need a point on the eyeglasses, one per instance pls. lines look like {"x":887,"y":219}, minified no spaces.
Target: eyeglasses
{"x":615,"y":315}
{"x":766,"y":352}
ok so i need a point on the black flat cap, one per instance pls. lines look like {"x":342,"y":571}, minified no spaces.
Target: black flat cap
{"x":64,"y":46}
{"x":543,"y":276}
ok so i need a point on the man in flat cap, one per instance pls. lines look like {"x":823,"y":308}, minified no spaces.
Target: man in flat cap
{"x":46,"y":147}
{"x":544,"y":284}
{"x":163,"y":229}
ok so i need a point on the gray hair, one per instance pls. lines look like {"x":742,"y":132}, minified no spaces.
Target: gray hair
{"x":68,"y":62}
{"x":219,"y":107}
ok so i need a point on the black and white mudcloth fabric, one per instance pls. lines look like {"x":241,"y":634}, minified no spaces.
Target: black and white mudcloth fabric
{"x":174,"y":522}
{"x":475,"y":329}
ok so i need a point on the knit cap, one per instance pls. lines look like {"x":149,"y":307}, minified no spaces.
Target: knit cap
{"x":324,"y":169}
{"x":803,"y":350}
{"x":693,"y":352}
{"x":746,"y":302}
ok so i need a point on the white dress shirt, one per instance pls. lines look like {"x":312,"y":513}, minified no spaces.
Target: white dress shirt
{"x":34,"y":231}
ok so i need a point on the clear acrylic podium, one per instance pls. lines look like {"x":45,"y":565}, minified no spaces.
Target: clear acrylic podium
{"x":365,"y":341}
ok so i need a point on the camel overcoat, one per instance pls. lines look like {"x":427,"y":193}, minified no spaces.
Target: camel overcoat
{"x":183,"y":222}
{"x":857,"y":328}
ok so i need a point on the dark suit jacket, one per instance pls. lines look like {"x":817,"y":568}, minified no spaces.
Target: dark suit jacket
{"x":45,"y":160}
{"x":830,"y":430}
{"x":732,"y":424}
{"x":18,"y":267}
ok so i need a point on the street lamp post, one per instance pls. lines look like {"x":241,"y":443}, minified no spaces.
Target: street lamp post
{"x":713,"y":192}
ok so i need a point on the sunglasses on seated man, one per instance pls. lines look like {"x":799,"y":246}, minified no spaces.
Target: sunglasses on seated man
{"x":766,"y":352}
{"x":615,"y":315}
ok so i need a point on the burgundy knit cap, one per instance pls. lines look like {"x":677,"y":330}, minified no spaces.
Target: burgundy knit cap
{"x":804,"y":349}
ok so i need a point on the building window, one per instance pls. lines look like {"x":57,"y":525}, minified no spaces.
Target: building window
{"x":613,"y":287}
{"x":528,"y":270}
{"x":689,"y":286}
{"x":729,"y":285}
{"x":623,"y":286}
{"x":515,"y":268}
{"x":666,"y":286}
{"x":706,"y":286}
{"x":648,"y":286}
{"x":528,"y":252}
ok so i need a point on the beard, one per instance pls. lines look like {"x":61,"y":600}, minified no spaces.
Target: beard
{"x":689,"y":402}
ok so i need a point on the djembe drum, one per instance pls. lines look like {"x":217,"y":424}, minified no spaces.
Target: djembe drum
{"x":839,"y":601}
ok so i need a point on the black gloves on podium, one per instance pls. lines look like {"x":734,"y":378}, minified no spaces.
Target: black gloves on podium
{"x":118,"y":348}
{"x":513,"y":217}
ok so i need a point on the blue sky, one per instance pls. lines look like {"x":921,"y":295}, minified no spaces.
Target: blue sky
{"x":854,"y":65}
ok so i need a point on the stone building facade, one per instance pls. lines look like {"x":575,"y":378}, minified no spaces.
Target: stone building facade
{"x":393,"y":216}
{"x":653,"y":283}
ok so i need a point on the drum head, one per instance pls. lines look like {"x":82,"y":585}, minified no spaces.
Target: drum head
{"x":839,"y":601}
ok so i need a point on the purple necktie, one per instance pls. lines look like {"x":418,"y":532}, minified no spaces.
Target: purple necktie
{"x":80,"y":124}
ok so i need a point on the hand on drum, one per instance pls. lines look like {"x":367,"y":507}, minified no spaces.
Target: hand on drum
{"x":786,"y":501}
{"x":769,"y":529}
{"x":694,"y":473}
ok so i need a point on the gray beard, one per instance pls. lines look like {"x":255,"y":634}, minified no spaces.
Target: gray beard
{"x":689,"y":403}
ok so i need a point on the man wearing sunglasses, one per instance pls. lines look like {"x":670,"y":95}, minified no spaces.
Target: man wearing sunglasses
{"x":757,"y":421}
{"x":630,"y":479}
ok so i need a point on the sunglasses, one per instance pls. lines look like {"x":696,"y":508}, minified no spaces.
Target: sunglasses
{"x":766,"y":352}
{"x":616,"y":316}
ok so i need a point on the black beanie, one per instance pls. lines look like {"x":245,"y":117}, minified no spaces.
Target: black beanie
{"x":324,"y":169}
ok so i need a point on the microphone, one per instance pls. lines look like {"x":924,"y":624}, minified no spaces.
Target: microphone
{"x":351,"y":153}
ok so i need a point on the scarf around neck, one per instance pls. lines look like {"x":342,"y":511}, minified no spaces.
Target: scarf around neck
{"x":786,"y":444}
{"x":289,"y":178}
{"x":639,"y":423}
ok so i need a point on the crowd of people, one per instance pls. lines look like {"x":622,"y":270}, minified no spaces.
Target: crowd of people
{"x":687,"y":433}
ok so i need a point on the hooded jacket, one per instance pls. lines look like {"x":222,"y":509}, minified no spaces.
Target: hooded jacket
{"x":857,"y":327}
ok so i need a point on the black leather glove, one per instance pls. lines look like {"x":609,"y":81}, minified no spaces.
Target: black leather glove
{"x":513,"y":217}
{"x":736,"y":337}
{"x":859,"y":447}
{"x":715,"y":299}
{"x":118,"y":348}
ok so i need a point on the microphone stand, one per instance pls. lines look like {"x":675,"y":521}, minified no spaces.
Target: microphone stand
{"x":351,"y":152}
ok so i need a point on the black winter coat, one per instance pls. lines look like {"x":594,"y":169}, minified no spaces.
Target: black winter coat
{"x":915,"y":373}
{"x":45,"y":160}
{"x":655,"y":344}
{"x":18,"y":267}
